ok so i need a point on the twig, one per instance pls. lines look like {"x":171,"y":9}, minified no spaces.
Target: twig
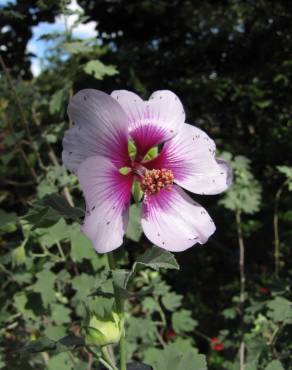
{"x":100,"y":359}
{"x":242,"y":288}
{"x":108,"y":358}
{"x":22,"y":153}
{"x":61,"y":252}
{"x":202,"y":335}
{"x":276,"y":229}
{"x":52,"y":156}
{"x":21,"y":111}
{"x":16,"y":183}
{"x":275,"y":337}
{"x":90,"y":361}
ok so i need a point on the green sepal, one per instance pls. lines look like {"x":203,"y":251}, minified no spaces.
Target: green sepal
{"x":102,"y":330}
{"x":124,"y":170}
{"x":152,"y":153}
{"x":137,"y":192}
{"x":132,"y":149}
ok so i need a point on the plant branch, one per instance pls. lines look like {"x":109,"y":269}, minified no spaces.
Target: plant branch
{"x":120,"y":308}
{"x":23,"y":154}
{"x":52,"y":156}
{"x":242,"y":287}
{"x":107,"y":357}
{"x":21,"y":111}
{"x":277,"y":243}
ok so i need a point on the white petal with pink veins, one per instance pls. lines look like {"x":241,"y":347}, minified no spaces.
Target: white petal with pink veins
{"x":107,"y":194}
{"x":154,"y":121}
{"x":101,"y":128}
{"x":191,"y":157}
{"x":173,"y":221}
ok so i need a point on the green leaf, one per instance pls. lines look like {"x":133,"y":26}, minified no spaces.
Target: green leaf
{"x":138,"y":366}
{"x":61,"y":206}
{"x":45,"y":286}
{"x":157,"y":258}
{"x":70,"y":342}
{"x":60,"y":314}
{"x":67,"y":343}
{"x":54,"y":332}
{"x":61,"y":361}
{"x":172,"y":301}
{"x":134,"y":230}
{"x":182,"y":322}
{"x":76,"y":47}
{"x":41,"y":345}
{"x":81,"y":246}
{"x":83,"y":285}
{"x":173,"y":359}
{"x":18,"y":255}
{"x":48,"y":211}
{"x":287,"y":171}
{"x":150,"y":305}
{"x":245,"y":193}
{"x":53,"y":234}
{"x":280,"y":310}
{"x":251,"y":365}
{"x":263,"y":104}
{"x":120,"y":279}
{"x":58,"y":100}
{"x":141,"y":329}
{"x":274,"y":365}
{"x":99,"y":70}
{"x":193,"y":361}
{"x":7,"y":218}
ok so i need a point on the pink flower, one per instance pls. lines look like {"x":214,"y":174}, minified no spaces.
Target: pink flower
{"x":169,"y":335}
{"x":263,"y":290}
{"x":216,"y":344}
{"x":96,"y":148}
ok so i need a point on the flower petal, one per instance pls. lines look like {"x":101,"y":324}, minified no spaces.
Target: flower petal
{"x":107,"y":194}
{"x":191,"y":157}
{"x":173,"y":221}
{"x":154,"y":121}
{"x":101,"y":128}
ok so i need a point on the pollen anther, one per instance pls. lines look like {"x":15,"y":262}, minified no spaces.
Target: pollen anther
{"x":155,"y":180}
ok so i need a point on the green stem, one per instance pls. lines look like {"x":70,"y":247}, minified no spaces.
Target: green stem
{"x":108,"y":358}
{"x":276,"y":229}
{"x":120,"y":308}
{"x":242,"y":287}
{"x":103,"y":361}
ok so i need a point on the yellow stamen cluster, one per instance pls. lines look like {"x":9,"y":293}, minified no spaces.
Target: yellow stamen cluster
{"x":155,"y":180}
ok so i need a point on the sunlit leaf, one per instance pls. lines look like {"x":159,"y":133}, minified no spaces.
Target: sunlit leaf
{"x":98,"y":70}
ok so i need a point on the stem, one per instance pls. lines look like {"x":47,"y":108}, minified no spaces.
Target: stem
{"x":120,"y":308}
{"x":52,"y":156}
{"x":100,"y":359}
{"x":60,"y":249}
{"x":160,"y":338}
{"x":242,"y":287}
{"x":107,"y":357}
{"x":276,"y":230}
{"x":21,"y":111}
{"x":22,"y":153}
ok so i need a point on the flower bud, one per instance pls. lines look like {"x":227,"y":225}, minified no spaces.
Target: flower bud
{"x":102,"y":331}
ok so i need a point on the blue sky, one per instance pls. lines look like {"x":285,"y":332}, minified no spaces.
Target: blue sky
{"x":39,"y":47}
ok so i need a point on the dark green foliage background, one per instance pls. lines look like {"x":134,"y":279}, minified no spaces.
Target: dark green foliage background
{"x":230,"y":63}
